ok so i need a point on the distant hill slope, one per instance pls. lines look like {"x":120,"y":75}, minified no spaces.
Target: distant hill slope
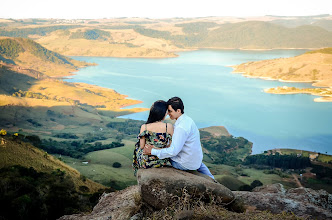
{"x":31,"y":55}
{"x":322,"y":21}
{"x":106,"y":41}
{"x":19,"y":153}
{"x":263,"y":35}
{"x":245,"y":35}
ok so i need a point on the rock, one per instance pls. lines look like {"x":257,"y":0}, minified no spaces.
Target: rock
{"x":274,"y":188}
{"x":303,"y":202}
{"x":116,"y":205}
{"x":162,"y":186}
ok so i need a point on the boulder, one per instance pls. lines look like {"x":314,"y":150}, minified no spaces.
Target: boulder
{"x":160,"y":187}
{"x":115,"y":205}
{"x":303,"y":202}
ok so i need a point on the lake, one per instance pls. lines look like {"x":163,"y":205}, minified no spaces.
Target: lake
{"x":213,"y":95}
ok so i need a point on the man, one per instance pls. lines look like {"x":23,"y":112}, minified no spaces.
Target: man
{"x":185,"y":152}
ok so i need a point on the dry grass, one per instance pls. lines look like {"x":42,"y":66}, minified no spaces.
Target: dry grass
{"x":147,"y":47}
{"x":216,"y":130}
{"x":27,"y":60}
{"x":304,"y":68}
{"x":186,"y":208}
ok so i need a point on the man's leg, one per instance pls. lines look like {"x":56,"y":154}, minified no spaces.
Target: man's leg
{"x":177,"y":165}
{"x":203,"y":169}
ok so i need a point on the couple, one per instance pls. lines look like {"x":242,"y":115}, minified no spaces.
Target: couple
{"x":160,"y":144}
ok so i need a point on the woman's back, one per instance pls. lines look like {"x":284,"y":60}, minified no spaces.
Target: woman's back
{"x":158,"y":134}
{"x":158,"y":127}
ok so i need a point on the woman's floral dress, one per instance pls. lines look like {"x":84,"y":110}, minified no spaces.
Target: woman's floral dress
{"x":159,"y":140}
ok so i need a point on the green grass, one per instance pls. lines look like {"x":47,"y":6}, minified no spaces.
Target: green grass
{"x":100,"y":168}
{"x":220,"y":171}
{"x":324,"y":158}
{"x":293,"y":151}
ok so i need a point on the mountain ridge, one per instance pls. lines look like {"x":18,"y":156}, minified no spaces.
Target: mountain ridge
{"x":159,"y":38}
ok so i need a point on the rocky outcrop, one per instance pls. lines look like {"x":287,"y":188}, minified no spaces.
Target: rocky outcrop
{"x":161,"y":186}
{"x":303,"y":202}
{"x":158,"y":187}
{"x":115,"y":205}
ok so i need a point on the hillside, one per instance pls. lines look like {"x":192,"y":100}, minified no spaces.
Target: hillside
{"x":36,"y":185}
{"x":30,"y":55}
{"x":104,"y":42}
{"x":19,"y":153}
{"x":314,"y":67}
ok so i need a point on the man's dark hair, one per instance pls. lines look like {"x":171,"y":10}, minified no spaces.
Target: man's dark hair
{"x":157,"y":111}
{"x":176,"y":104}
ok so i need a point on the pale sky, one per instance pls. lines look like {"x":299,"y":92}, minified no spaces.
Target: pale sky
{"x":70,"y":9}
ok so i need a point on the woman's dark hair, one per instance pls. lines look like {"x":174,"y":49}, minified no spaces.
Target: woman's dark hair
{"x":157,"y":111}
{"x":176,"y":104}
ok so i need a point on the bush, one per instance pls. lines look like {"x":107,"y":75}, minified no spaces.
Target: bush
{"x":256,"y":183}
{"x":117,"y":165}
{"x":245,"y":187}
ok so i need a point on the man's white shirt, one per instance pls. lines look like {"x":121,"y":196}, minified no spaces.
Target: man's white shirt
{"x":186,"y":145}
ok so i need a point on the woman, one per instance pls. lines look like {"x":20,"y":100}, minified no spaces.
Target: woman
{"x":154,"y":132}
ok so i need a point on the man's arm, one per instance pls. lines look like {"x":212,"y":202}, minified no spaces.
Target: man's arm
{"x":178,"y":140}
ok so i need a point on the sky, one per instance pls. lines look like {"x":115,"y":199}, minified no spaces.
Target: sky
{"x":93,"y":9}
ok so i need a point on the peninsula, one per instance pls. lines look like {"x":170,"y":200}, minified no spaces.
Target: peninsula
{"x":314,"y":67}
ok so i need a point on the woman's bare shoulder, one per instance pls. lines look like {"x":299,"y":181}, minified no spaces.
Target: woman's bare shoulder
{"x":143,"y":128}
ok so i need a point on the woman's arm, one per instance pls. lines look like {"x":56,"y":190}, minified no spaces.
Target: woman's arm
{"x":142,"y":142}
{"x":142,"y":139}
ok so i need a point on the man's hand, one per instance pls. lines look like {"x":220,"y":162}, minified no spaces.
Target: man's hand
{"x":147,"y":149}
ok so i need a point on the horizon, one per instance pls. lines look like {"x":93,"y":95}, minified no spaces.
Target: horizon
{"x":179,"y":17}
{"x":101,"y":9}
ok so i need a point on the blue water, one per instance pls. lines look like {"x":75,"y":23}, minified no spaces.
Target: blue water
{"x":214,"y":96}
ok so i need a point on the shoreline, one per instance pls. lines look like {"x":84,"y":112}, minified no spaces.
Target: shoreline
{"x":195,"y":49}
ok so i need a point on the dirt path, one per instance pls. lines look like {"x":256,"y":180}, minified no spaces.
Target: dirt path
{"x":297,"y":180}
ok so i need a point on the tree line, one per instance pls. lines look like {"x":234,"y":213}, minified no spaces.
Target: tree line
{"x":42,"y":31}
{"x":75,"y":149}
{"x":280,"y":161}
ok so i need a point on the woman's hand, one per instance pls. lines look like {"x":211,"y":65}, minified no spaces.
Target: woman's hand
{"x":147,"y":149}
